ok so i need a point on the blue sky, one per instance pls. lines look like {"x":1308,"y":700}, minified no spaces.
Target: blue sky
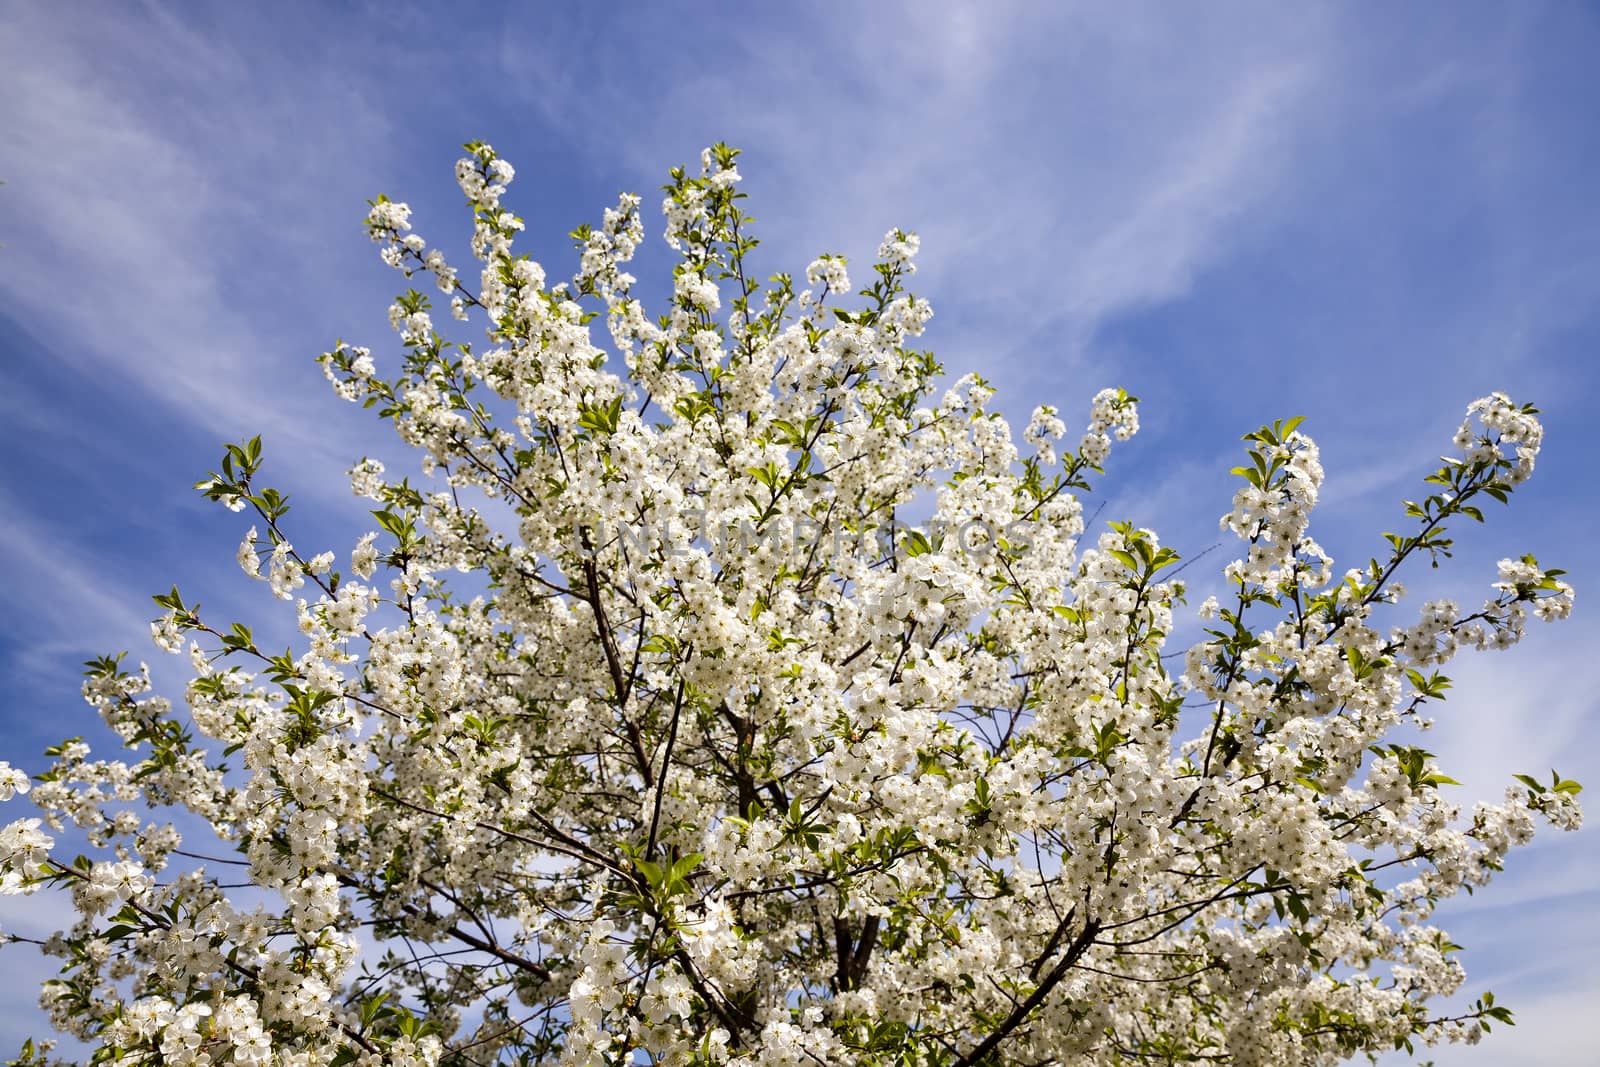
{"x":1365,"y":214}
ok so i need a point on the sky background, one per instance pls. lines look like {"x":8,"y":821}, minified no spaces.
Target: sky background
{"x":1365,"y":214}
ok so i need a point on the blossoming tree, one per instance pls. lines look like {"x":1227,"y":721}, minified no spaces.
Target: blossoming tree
{"x":710,"y":756}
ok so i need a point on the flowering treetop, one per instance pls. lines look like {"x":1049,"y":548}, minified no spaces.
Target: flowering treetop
{"x":710,"y":756}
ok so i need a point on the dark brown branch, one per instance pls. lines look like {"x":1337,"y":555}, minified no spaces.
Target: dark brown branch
{"x":1075,"y":951}
{"x":661,"y":777}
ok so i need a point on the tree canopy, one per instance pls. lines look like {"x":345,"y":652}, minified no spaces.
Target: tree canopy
{"x":747,"y":694}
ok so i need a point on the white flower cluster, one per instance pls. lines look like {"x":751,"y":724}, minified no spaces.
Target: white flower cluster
{"x":899,"y":250}
{"x":1519,"y":577}
{"x":1273,"y":511}
{"x":388,"y":217}
{"x":829,"y":272}
{"x":1503,"y":426}
{"x":24,"y":850}
{"x":1114,"y":414}
{"x":484,"y":176}
{"x":12,"y":781}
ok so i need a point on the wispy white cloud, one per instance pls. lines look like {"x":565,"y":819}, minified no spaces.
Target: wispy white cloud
{"x":1525,"y":710}
{"x":68,"y":602}
{"x":139,"y":201}
{"x":1177,"y":226}
{"x":1057,"y":182}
